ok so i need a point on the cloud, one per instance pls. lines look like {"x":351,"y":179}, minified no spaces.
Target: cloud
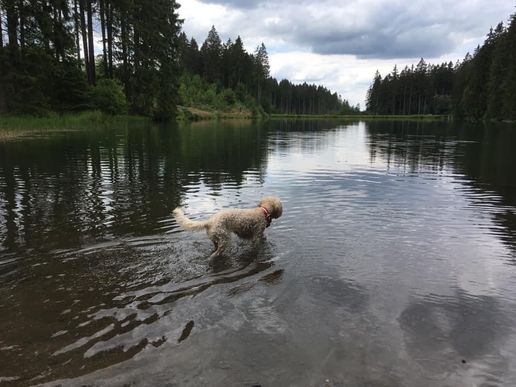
{"x":347,"y":75}
{"x":340,"y":44}
{"x":364,"y":28}
{"x":246,"y":4}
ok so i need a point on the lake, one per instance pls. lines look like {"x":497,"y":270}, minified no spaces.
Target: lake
{"x":394,"y":263}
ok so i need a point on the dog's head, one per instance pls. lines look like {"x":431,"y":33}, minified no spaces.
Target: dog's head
{"x":273,"y":205}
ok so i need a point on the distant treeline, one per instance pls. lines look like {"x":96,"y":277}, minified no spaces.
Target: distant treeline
{"x":50,"y":61}
{"x":482,"y":86}
{"x":230,"y":67}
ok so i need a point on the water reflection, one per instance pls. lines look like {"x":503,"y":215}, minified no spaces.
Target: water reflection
{"x":73,"y":189}
{"x":481,"y":156}
{"x":461,"y":334}
{"x":389,"y":266}
{"x":472,"y":326}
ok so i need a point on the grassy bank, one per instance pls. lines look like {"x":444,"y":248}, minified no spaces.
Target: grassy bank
{"x":197,"y":114}
{"x":14,"y":127}
{"x":17,"y":126}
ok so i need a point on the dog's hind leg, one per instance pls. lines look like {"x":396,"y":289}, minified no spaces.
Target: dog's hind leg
{"x":220,"y":241}
{"x":218,"y":250}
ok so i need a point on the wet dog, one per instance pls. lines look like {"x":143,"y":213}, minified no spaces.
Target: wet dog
{"x":246,"y":223}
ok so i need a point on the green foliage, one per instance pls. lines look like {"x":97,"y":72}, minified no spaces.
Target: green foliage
{"x":211,"y":54}
{"x":13,"y":127}
{"x":25,"y":94}
{"x":108,"y":97}
{"x":195,"y":92}
{"x":228,"y":67}
{"x":48,"y":63}
{"x":70,"y":91}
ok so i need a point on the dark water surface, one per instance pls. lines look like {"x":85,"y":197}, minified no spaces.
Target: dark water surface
{"x":394,"y":263}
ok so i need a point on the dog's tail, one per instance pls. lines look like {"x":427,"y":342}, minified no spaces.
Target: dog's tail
{"x":187,"y":224}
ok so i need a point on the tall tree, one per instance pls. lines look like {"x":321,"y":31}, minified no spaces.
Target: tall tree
{"x":76,"y":31}
{"x":211,"y":54}
{"x":22,"y":22}
{"x":508,"y":89}
{"x":262,"y":69}
{"x":1,"y":29}
{"x":12,"y":26}
{"x":91,"y":47}
{"x":372,"y":100}
{"x":102,"y":12}
{"x":109,"y":28}
{"x":84,"y":34}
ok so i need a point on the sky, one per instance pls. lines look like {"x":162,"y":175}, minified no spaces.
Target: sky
{"x":341,"y":43}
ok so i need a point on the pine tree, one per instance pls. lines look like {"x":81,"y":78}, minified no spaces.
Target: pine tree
{"x":508,"y":86}
{"x":372,"y":99}
{"x":497,"y":74}
{"x":211,"y":54}
{"x":262,"y":70}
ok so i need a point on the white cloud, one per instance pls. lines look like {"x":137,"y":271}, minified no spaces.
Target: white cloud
{"x":340,"y":44}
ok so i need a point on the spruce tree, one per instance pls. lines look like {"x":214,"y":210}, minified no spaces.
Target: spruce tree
{"x":211,"y":55}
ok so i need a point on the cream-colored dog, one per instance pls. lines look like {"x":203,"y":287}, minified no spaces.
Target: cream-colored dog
{"x":247,"y":224}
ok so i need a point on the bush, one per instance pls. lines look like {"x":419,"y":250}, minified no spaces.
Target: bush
{"x":108,"y":97}
{"x":228,"y":97}
{"x":69,"y":90}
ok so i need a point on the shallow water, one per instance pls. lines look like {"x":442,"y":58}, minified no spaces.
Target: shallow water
{"x":393,"y":263}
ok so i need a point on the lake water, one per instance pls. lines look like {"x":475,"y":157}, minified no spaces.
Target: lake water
{"x":394,"y":263}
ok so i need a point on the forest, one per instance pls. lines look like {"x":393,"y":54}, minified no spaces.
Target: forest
{"x":482,"y":86}
{"x":49,"y":62}
{"x":241,"y":75}
{"x":130,"y":56}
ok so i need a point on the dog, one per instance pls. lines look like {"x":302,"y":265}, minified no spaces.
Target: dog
{"x":246,"y":223}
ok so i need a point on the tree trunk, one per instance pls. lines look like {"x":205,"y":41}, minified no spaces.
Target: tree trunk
{"x":410,"y":101}
{"x":110,"y":37}
{"x":3,"y":104}
{"x":21,"y":12}
{"x":56,"y":32}
{"x":12,"y":26}
{"x":103,"y":28}
{"x":123,"y":30}
{"x":77,"y":27}
{"x":84,"y":40}
{"x":91,"y":52}
{"x":1,"y":30}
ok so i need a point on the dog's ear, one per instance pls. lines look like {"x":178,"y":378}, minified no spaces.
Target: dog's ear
{"x":278,"y":209}
{"x":273,"y":204}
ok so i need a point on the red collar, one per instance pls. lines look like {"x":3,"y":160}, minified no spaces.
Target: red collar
{"x":268,"y":216}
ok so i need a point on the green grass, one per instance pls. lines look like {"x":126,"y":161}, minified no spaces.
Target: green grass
{"x":205,"y":113}
{"x":13,"y":127}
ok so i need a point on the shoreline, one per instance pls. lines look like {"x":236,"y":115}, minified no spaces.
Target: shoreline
{"x":16,"y":126}
{"x":362,"y":116}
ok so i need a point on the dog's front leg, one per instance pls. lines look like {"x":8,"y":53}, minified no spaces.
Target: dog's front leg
{"x":257,"y":239}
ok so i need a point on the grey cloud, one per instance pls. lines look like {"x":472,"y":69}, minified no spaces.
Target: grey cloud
{"x":384,"y":32}
{"x":368,"y":29}
{"x":382,"y":44}
{"x":245,"y":4}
